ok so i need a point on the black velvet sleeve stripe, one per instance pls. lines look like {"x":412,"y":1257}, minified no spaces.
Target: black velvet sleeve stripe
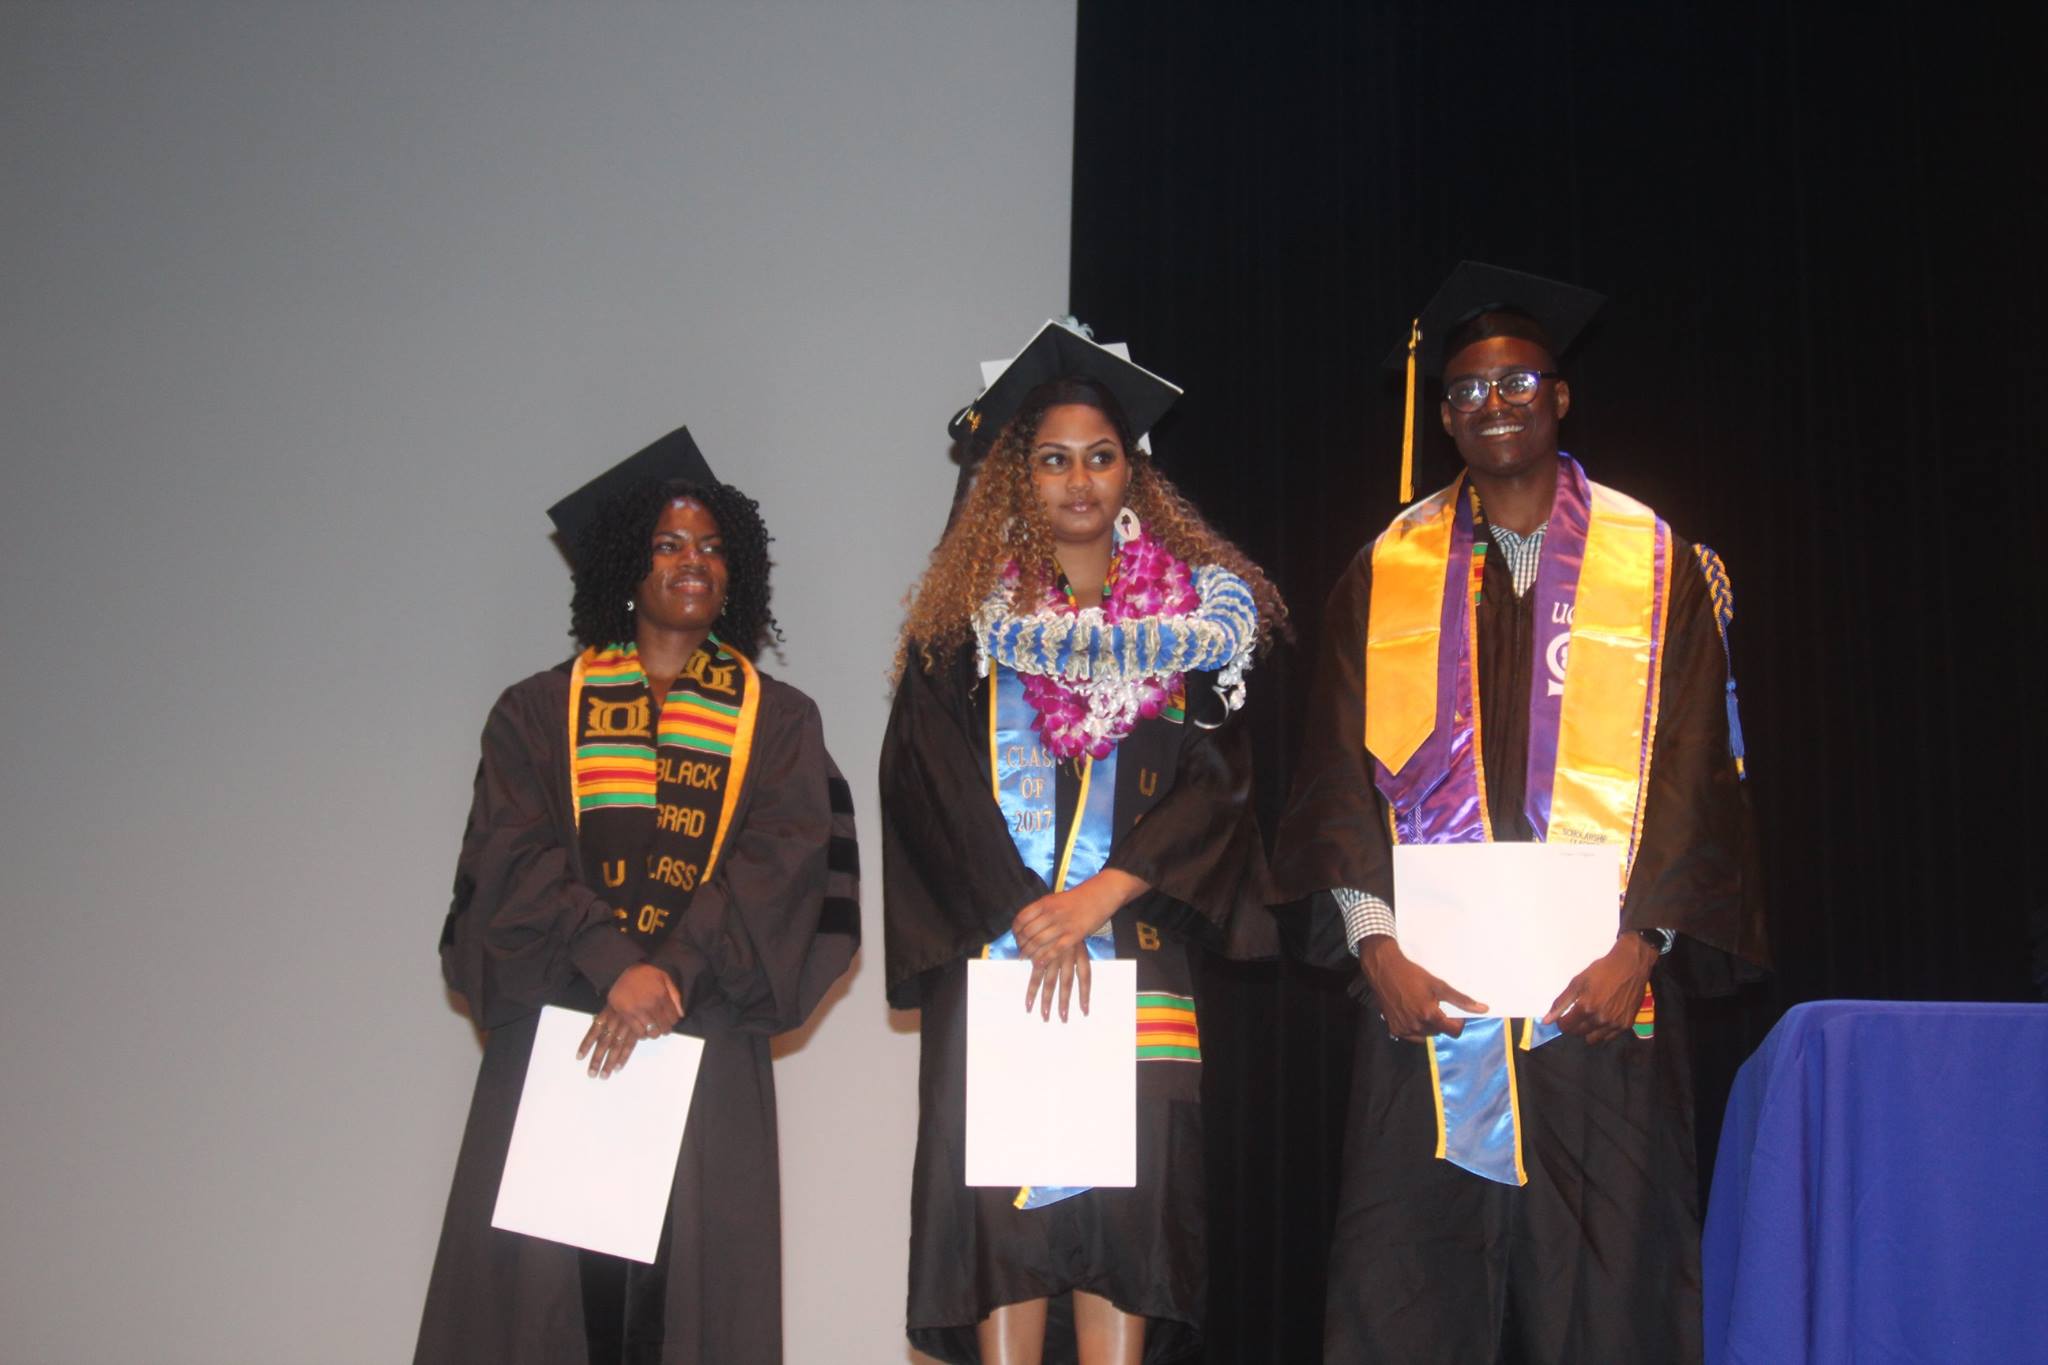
{"x":840,"y":795}
{"x":843,"y":855}
{"x":465,"y":892}
{"x":839,"y":915}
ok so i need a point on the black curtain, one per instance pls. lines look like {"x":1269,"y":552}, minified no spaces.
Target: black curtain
{"x":1820,"y":230}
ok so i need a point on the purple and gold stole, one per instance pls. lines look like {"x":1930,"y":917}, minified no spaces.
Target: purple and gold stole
{"x":654,"y":794}
{"x":1601,"y":596}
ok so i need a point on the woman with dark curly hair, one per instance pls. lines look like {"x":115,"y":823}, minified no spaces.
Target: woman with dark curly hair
{"x":1079,"y":621}
{"x":658,"y":839}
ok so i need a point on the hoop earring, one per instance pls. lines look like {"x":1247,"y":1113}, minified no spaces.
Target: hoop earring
{"x":629,"y":606}
{"x":1126,"y":526}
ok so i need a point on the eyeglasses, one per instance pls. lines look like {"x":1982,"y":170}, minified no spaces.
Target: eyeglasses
{"x":1517,"y":387}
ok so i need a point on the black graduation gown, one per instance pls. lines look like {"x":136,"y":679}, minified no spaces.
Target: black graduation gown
{"x":953,"y":882}
{"x":1597,"y":1257}
{"x":761,"y":941}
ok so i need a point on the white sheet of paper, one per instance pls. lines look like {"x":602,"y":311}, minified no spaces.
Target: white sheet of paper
{"x":592,"y":1161}
{"x":1052,"y":1103}
{"x":1507,"y":924}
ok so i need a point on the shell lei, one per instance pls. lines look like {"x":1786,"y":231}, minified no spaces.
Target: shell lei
{"x":1093,"y":673}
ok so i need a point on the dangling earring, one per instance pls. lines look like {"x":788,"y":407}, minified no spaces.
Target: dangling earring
{"x":629,"y":606}
{"x":1126,"y":526}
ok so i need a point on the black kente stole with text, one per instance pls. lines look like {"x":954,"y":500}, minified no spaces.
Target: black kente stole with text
{"x":654,"y":796}
{"x":655,"y":793}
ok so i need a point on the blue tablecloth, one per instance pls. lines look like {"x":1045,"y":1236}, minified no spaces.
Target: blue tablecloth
{"x":1881,"y":1191}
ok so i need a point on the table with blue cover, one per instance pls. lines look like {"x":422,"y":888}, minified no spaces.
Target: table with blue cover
{"x":1881,"y":1190}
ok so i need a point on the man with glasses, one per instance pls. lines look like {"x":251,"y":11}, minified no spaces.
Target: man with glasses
{"x":1525,"y":656}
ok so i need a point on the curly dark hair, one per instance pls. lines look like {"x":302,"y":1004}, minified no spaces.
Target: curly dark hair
{"x":615,"y":550}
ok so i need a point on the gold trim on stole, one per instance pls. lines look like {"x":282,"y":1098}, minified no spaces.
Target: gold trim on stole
{"x":742,"y":750}
{"x":1607,"y":717}
{"x":1059,"y":878}
{"x":575,"y":705}
{"x":1404,"y":627}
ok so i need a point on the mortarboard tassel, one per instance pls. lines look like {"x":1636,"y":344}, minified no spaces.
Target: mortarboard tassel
{"x":1408,"y":419}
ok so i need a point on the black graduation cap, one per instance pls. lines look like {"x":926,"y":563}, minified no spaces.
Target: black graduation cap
{"x":674,"y":456}
{"x":1475,"y":288}
{"x":1563,"y":310}
{"x":1059,"y":350}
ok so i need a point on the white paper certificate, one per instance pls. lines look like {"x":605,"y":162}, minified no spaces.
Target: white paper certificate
{"x":1051,"y":1103}
{"x":1507,"y":924}
{"x":592,"y":1161}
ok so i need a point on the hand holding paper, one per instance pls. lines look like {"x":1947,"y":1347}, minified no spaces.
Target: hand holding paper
{"x":1409,"y":997}
{"x":1509,"y":923}
{"x":1071,"y":971}
{"x":1051,"y":1104}
{"x":592,"y":1164}
{"x":643,"y":1003}
{"x":1600,"y":1003}
{"x":1052,"y":932}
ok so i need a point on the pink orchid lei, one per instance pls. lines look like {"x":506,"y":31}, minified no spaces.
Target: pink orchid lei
{"x":1145,"y":579}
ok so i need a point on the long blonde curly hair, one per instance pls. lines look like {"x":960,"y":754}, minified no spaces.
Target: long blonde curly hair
{"x":1001,"y":520}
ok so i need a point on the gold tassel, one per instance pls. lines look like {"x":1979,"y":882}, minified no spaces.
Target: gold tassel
{"x":1408,"y":419}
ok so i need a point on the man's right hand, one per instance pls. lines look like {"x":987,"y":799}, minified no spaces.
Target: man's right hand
{"x":1409,"y":997}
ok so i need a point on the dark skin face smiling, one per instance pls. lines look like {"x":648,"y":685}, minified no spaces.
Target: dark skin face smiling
{"x":684,"y":590}
{"x":1510,"y":449}
{"x":674,"y":608}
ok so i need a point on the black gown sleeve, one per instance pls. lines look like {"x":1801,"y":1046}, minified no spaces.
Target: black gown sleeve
{"x":1696,"y":869}
{"x":766,"y":935}
{"x":952,"y":879}
{"x":1199,"y":846}
{"x":523,"y":926}
{"x":1334,"y":831}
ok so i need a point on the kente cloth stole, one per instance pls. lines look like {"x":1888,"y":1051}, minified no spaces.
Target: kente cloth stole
{"x":654,"y":795}
{"x":1601,"y":598}
{"x":1022,"y":777}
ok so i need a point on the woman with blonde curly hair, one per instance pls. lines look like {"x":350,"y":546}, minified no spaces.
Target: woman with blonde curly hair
{"x":1079,"y":622}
